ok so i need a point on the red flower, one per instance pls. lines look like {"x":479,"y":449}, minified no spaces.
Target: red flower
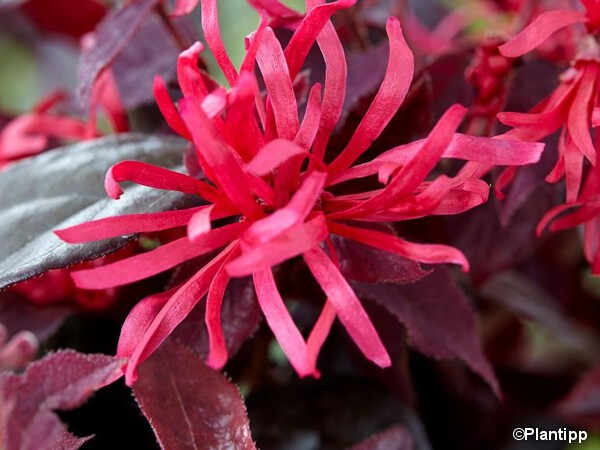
{"x":31,"y":133}
{"x":252,"y":149}
{"x":570,"y":106}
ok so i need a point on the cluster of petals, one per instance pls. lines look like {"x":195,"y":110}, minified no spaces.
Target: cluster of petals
{"x":271,"y":195}
{"x":571,"y":108}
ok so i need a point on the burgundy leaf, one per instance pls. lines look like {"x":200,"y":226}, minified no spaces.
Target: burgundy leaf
{"x":110,"y":38}
{"x":396,"y":438}
{"x":366,"y":264}
{"x":364,"y":83}
{"x":63,"y":381}
{"x":582,"y":405}
{"x":189,"y":405}
{"x":491,"y":246}
{"x":152,"y":51}
{"x":439,"y":320}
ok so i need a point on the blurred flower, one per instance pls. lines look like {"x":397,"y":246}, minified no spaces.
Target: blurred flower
{"x":35,"y":131}
{"x":18,"y":351}
{"x":570,"y":106}
{"x":272,"y":196}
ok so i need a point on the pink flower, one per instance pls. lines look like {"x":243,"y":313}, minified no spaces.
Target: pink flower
{"x":265,"y":172}
{"x":32,"y":133}
{"x":570,"y":106}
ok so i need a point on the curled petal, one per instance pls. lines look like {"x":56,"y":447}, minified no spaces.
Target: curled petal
{"x":157,"y":178}
{"x":165,"y":257}
{"x":334,"y":89}
{"x":212,"y":34}
{"x":281,"y":323}
{"x":348,"y":307}
{"x":425,"y":253}
{"x":167,"y":108}
{"x":177,"y":308}
{"x":127,"y":224}
{"x":579,"y":118}
{"x":307,"y":32}
{"x":498,"y":151}
{"x":319,"y":333}
{"x":217,"y":348}
{"x":540,"y":30}
{"x":552,"y":214}
{"x":139,"y":319}
{"x":279,"y":86}
{"x":391,"y":94}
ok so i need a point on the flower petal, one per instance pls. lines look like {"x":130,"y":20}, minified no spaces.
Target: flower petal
{"x":292,"y":243}
{"x":497,"y":151}
{"x":580,"y":113}
{"x":127,"y":224}
{"x":179,"y":305}
{"x":212,"y":34}
{"x":348,"y":307}
{"x":391,"y":94}
{"x":217,"y":348}
{"x":334,"y":90}
{"x":281,"y":323}
{"x":168,"y":109}
{"x":165,"y":257}
{"x":217,"y":156}
{"x":139,"y":319}
{"x":156,"y":177}
{"x":539,"y":30}
{"x":425,"y":253}
{"x":299,"y":207}
{"x":272,"y":155}
{"x":279,"y":86}
{"x":307,"y":32}
{"x":319,"y":333}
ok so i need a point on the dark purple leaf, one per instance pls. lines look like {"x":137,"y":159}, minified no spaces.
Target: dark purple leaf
{"x":60,"y":381}
{"x":396,"y":438}
{"x":448,"y":81}
{"x":369,"y":265}
{"x":110,"y":38}
{"x":438,"y":318}
{"x":582,"y":405}
{"x":240,"y":316}
{"x":189,"y":405}
{"x":364,"y":83}
{"x":152,"y":51}
{"x":64,"y":187}
{"x":488,"y":244}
